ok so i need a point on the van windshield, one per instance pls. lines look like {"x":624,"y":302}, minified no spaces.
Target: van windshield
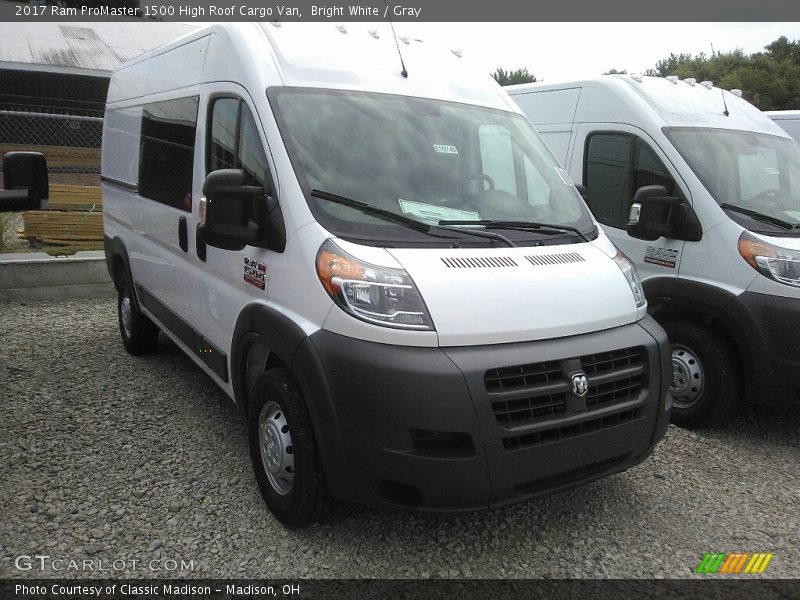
{"x":752,"y":174}
{"x":424,"y":159}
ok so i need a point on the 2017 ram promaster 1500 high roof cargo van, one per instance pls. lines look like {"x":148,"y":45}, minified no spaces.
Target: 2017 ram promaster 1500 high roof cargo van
{"x":702,"y":192}
{"x":383,"y":266}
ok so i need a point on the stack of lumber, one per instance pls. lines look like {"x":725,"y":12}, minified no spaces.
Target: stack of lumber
{"x":74,"y":215}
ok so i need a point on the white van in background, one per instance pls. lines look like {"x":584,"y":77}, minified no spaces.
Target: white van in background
{"x":702,"y":192}
{"x":381,"y":264}
{"x":788,"y":120}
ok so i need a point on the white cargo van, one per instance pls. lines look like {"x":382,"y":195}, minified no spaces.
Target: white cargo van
{"x":382,"y":265}
{"x":702,"y":192}
{"x":788,"y":120}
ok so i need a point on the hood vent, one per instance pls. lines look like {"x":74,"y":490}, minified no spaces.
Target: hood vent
{"x":542,"y":260}
{"x":479,"y":262}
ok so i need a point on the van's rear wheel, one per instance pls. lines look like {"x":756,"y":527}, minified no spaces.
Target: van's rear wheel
{"x":283,"y":451}
{"x":706,"y":383}
{"x":139,"y":334}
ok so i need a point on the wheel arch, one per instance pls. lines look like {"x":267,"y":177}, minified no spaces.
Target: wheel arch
{"x":279,"y":341}
{"x":118,"y":263}
{"x":686,"y":300}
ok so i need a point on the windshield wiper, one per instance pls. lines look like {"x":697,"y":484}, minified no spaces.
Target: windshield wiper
{"x":406,"y":221}
{"x":760,"y":216}
{"x":521,"y":225}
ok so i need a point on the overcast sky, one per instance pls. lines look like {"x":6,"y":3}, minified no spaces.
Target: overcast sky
{"x":563,"y":51}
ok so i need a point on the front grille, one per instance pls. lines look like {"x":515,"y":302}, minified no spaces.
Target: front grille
{"x":535,"y":392}
{"x":614,"y":376}
{"x":557,"y":434}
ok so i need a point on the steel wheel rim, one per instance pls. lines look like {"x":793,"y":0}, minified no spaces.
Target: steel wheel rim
{"x":126,"y":314}
{"x":688,"y":379}
{"x":275,"y":446}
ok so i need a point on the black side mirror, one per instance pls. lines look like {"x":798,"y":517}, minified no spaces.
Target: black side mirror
{"x":239,"y":215}
{"x":26,"y":185}
{"x":654,"y":214}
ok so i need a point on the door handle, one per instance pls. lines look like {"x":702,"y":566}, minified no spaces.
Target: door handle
{"x":183,"y":234}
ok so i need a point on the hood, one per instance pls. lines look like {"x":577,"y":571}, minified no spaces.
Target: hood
{"x":501,"y":295}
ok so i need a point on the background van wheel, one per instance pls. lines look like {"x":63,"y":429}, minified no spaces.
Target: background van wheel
{"x":283,"y":451}
{"x":706,"y":383}
{"x":139,"y":334}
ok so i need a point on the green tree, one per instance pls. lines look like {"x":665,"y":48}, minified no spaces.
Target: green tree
{"x":770,"y":79}
{"x":504,"y":77}
{"x":616,"y":72}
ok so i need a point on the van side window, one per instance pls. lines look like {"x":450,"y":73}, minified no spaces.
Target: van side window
{"x":618,"y":164}
{"x":607,"y":176}
{"x":222,"y":146}
{"x":234,"y":142}
{"x":166,"y":151}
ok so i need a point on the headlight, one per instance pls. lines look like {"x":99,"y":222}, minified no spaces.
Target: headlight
{"x":779,"y":264}
{"x":627,"y":268}
{"x":378,"y":295}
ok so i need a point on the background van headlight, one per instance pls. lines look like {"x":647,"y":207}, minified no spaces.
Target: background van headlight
{"x":379,"y":295}
{"x":779,"y":264}
{"x":627,"y":268}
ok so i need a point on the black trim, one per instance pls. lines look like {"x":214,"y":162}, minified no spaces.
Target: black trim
{"x":276,"y":332}
{"x":283,"y":339}
{"x":389,"y":403}
{"x":199,"y":244}
{"x":676,"y":299}
{"x":131,"y":187}
{"x":183,"y":234}
{"x":115,"y":248}
{"x":216,"y":360}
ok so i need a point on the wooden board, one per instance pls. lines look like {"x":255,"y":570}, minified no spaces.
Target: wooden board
{"x":74,"y":197}
{"x":64,"y":226}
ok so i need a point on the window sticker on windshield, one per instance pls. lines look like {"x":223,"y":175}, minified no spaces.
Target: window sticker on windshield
{"x":445,"y":149}
{"x":434,"y":214}
{"x":564,"y":177}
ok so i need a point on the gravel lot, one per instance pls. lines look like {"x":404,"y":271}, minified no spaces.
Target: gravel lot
{"x":112,"y":457}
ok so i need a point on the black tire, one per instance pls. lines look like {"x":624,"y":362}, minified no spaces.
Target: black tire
{"x":294,"y":488}
{"x":710,"y":398}
{"x":139,"y":334}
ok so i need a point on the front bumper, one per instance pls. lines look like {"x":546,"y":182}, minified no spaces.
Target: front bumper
{"x":776,"y":325}
{"x":471,"y":427}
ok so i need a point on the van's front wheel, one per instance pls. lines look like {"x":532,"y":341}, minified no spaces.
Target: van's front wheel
{"x":705,"y":379}
{"x":283,"y":451}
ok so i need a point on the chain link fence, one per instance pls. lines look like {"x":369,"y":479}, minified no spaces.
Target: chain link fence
{"x":71,"y":144}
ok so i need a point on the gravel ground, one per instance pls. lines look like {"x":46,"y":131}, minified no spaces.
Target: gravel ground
{"x":111,"y":457}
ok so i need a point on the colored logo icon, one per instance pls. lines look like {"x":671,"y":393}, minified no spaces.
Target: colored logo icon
{"x":735,"y":563}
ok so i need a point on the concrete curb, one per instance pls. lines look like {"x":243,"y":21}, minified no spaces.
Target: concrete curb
{"x":37,"y":276}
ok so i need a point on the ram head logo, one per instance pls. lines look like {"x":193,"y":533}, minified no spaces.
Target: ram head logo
{"x":580,"y":384}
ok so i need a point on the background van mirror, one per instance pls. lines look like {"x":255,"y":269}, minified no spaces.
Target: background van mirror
{"x":654,"y":214}
{"x":26,"y":185}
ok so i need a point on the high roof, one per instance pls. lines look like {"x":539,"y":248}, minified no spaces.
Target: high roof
{"x":81,"y":48}
{"x":660,"y":101}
